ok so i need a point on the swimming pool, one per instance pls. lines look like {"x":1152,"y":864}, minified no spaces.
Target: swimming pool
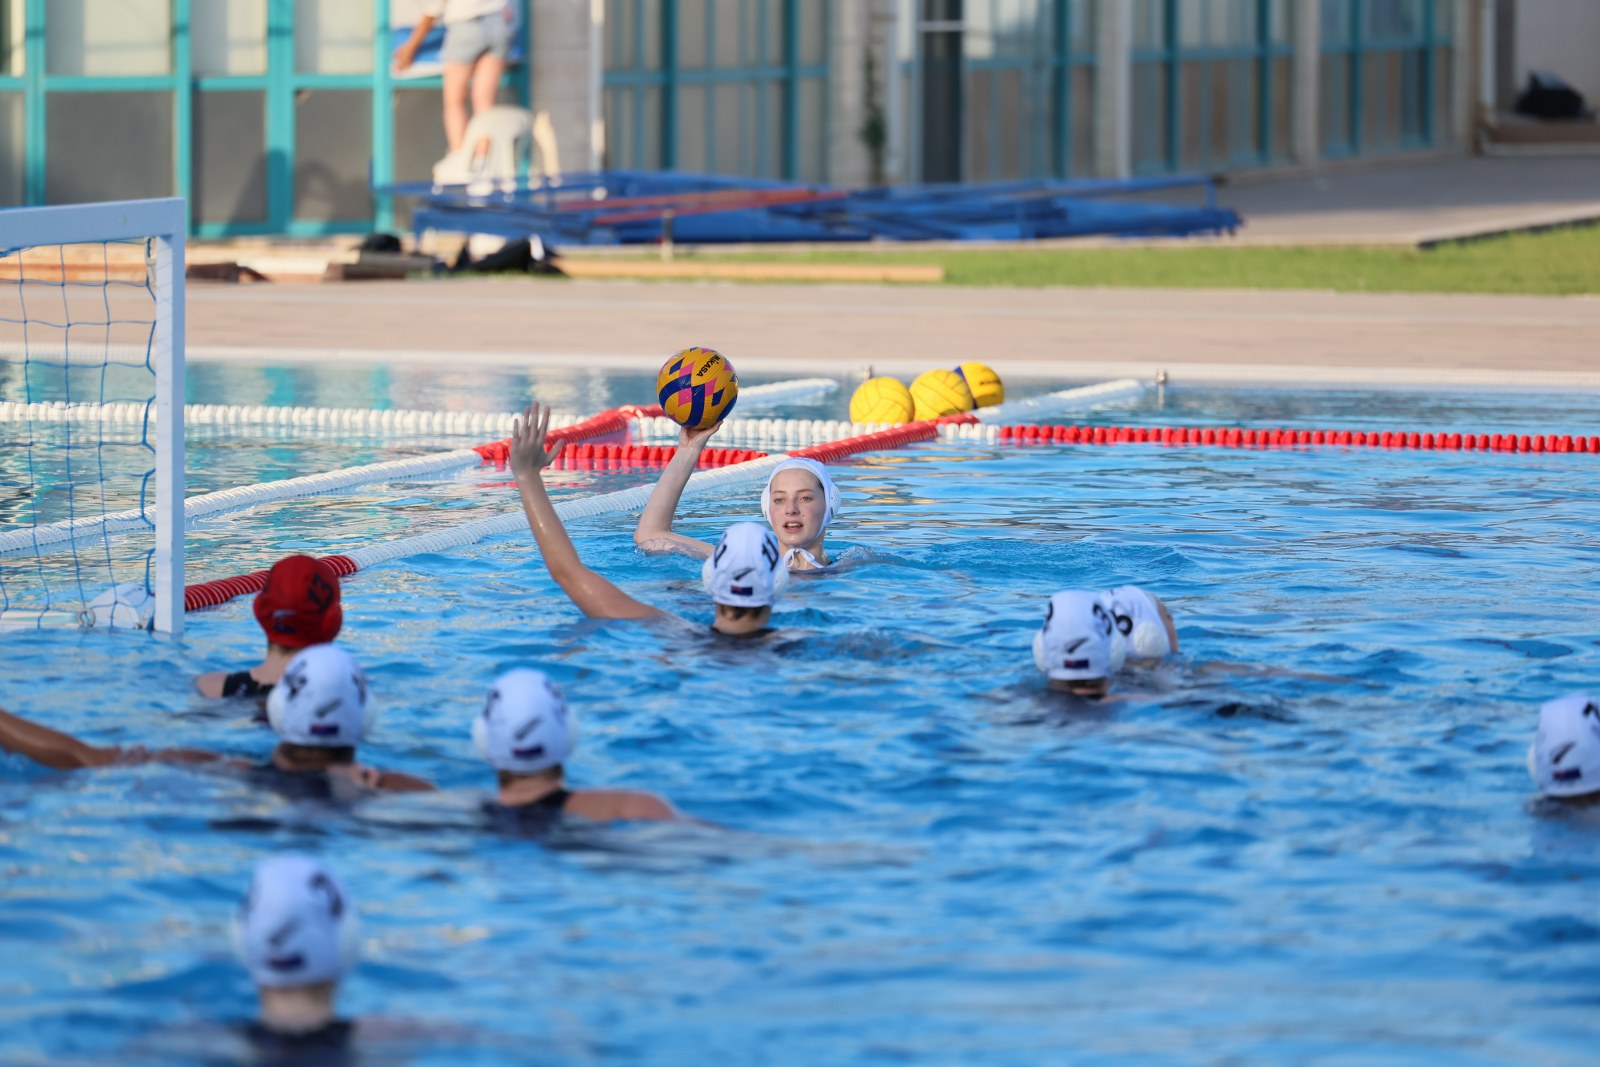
{"x":921,"y":855}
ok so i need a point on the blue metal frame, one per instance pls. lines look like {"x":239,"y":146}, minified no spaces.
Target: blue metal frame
{"x":279,"y":83}
{"x":1169,"y":58}
{"x":1053,"y":68}
{"x":1057,"y":69}
{"x":1359,"y":44}
{"x":631,"y":82}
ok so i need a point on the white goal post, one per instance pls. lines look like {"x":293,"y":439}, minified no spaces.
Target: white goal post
{"x":160,"y":225}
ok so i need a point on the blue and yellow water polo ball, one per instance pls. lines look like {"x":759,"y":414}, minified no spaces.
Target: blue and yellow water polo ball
{"x":985,"y":385}
{"x":697,"y":388}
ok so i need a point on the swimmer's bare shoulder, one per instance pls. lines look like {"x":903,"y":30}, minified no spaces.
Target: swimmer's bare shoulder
{"x":620,"y":805}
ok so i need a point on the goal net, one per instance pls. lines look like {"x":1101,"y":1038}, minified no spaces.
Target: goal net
{"x":91,"y":322}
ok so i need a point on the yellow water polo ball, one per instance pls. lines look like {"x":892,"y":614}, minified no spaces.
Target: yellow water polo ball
{"x":983,"y":383}
{"x":940,"y":392}
{"x":697,"y":388}
{"x":882,"y":400}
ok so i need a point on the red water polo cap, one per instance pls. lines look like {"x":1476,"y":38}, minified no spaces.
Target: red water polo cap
{"x":300,"y":604}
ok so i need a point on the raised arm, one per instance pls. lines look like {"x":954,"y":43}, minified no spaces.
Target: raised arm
{"x":406,"y":54}
{"x":654,"y":532}
{"x":595,"y":596}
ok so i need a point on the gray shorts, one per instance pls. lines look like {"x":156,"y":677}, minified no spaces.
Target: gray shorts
{"x":464,"y":42}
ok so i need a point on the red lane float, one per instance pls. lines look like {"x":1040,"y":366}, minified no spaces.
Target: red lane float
{"x":605,"y":424}
{"x":588,"y":457}
{"x":1237,"y":437}
{"x":210,"y":594}
{"x":894,"y":437}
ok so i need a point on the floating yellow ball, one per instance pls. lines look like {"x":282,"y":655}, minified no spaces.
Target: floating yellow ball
{"x":940,"y":392}
{"x":881,"y":400}
{"x":697,"y":388}
{"x":983,"y":383}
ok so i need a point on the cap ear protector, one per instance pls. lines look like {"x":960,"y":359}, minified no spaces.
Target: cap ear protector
{"x":1039,"y":659}
{"x":1149,"y":641}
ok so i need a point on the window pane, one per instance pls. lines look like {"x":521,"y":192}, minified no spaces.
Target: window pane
{"x":229,"y":37}
{"x":1081,"y":163}
{"x":333,"y":150}
{"x":10,"y":149}
{"x":1335,"y":22}
{"x":11,"y":36}
{"x":728,"y":14}
{"x":109,"y":37}
{"x":333,"y":36}
{"x":732,"y":110}
{"x":619,"y":129}
{"x":230,"y":156}
{"x":652,"y":15}
{"x":692,"y":127}
{"x":812,"y":157}
{"x":619,"y":35}
{"x":813,"y":32}
{"x":692,"y":31}
{"x":108,"y":146}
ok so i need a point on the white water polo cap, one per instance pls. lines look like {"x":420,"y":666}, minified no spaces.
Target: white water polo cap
{"x":1074,"y":644}
{"x":321,"y":700}
{"x":830,"y":492}
{"x":1138,"y":618}
{"x":296,"y":925}
{"x":526,"y":726}
{"x":1564,"y":758}
{"x":746,"y":569}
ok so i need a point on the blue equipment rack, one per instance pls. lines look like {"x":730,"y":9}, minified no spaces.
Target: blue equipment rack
{"x":648,"y":207}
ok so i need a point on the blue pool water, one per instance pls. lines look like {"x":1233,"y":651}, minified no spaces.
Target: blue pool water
{"x":1312,"y":839}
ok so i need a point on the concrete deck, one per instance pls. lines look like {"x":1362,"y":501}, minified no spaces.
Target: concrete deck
{"x":1297,"y":337}
{"x":1417,"y":203}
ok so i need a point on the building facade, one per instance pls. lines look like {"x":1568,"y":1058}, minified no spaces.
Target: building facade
{"x":279,"y":116}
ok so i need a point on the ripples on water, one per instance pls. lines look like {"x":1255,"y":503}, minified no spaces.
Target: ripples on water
{"x":919,"y":854}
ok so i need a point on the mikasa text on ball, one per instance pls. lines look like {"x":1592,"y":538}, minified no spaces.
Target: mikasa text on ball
{"x":985,"y":385}
{"x":697,"y":388}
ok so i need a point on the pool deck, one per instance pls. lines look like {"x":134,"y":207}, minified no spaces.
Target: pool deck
{"x":1290,"y":337}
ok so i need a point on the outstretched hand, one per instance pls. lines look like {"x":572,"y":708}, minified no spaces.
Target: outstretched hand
{"x":688,"y":437}
{"x":529,"y":432}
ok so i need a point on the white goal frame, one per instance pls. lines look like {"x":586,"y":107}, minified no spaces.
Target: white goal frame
{"x":164,"y":222}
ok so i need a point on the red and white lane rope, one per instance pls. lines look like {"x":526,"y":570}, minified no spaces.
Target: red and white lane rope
{"x":782,"y":434}
{"x":355,"y":420}
{"x":59,"y":533}
{"x":1238,"y":437}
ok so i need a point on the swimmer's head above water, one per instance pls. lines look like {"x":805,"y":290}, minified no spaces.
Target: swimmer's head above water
{"x":297,"y":935}
{"x":1564,"y":758}
{"x":526,"y":727}
{"x":319,"y":709}
{"x":527,"y":732}
{"x":1074,"y":648}
{"x":745,"y":576}
{"x":800,"y":501}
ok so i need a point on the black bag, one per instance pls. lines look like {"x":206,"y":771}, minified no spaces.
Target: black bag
{"x":1548,"y":97}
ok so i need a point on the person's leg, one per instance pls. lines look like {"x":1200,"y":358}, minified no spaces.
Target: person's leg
{"x":486,"y":75}
{"x":457,"y":77}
